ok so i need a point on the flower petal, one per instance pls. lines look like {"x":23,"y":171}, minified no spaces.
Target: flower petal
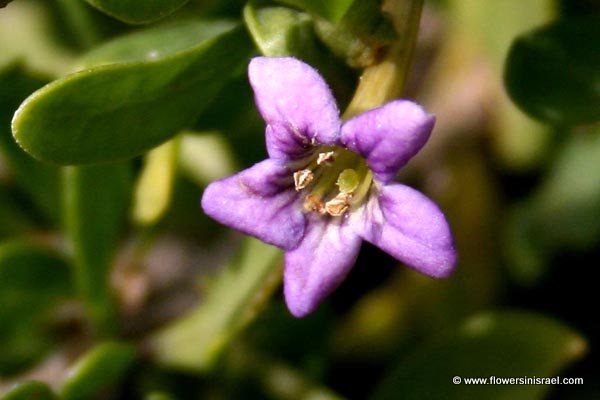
{"x":297,"y":105}
{"x":406,"y":224}
{"x":388,"y":136}
{"x":321,"y":262}
{"x":259,"y":201}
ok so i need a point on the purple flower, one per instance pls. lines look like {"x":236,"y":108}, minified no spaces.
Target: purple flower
{"x":327,"y":186}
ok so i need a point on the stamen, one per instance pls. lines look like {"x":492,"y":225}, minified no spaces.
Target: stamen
{"x":336,"y":181}
{"x":326,"y":158}
{"x":338,"y":205}
{"x":313,"y":203}
{"x":303,"y":178}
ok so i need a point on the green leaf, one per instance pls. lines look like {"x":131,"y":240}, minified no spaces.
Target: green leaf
{"x":39,"y":180}
{"x":96,"y":198}
{"x":553,"y":72}
{"x":501,"y":344}
{"x":154,"y":43}
{"x":136,"y":12}
{"x":101,"y":367}
{"x":29,"y":390}
{"x":33,"y":280}
{"x":117,"y":111}
{"x":280,"y":31}
{"x":332,"y":10}
{"x":234,"y":299}
{"x":81,"y":26}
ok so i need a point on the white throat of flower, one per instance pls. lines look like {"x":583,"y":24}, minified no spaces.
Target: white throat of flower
{"x":335,"y":181}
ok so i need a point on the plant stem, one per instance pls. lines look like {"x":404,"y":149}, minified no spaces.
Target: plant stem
{"x":385,"y":80}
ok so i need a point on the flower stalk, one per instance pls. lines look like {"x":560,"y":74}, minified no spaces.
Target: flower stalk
{"x":385,"y":80}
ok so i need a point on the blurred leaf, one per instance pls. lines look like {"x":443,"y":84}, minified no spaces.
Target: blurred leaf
{"x":33,"y":280}
{"x":232,"y":301}
{"x":27,"y":34}
{"x":568,"y":201}
{"x":40,"y":180}
{"x":360,"y":35}
{"x":136,"y":12}
{"x":154,"y":43}
{"x":205,"y":157}
{"x":278,"y":380}
{"x":29,"y":390}
{"x":31,"y":274}
{"x":332,"y":10}
{"x":553,"y":73}
{"x":494,"y":26}
{"x":96,"y":198}
{"x":564,"y":212}
{"x":117,"y":111}
{"x":484,"y":31}
{"x":80,"y":25}
{"x":102,"y":366}
{"x":155,"y":184}
{"x":280,"y":31}
{"x":501,"y":344}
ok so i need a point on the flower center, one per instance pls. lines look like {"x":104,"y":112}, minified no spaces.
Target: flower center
{"x":335,"y":181}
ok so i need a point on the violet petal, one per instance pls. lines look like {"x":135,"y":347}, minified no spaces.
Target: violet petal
{"x":388,"y":136}
{"x":297,"y":105}
{"x":259,"y":201}
{"x":319,"y":264}
{"x":406,"y":224}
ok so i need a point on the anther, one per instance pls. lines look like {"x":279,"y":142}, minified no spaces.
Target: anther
{"x":338,"y":205}
{"x":313,"y":203}
{"x":302,"y":178}
{"x":326,"y":158}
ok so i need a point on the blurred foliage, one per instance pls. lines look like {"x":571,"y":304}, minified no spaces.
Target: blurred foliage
{"x":114,"y":115}
{"x":95,"y":200}
{"x":100,"y":367}
{"x":501,"y":344}
{"x":29,"y":390}
{"x":136,"y":12}
{"x":156,"y":99}
{"x":553,"y":80}
{"x":26,"y":268}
